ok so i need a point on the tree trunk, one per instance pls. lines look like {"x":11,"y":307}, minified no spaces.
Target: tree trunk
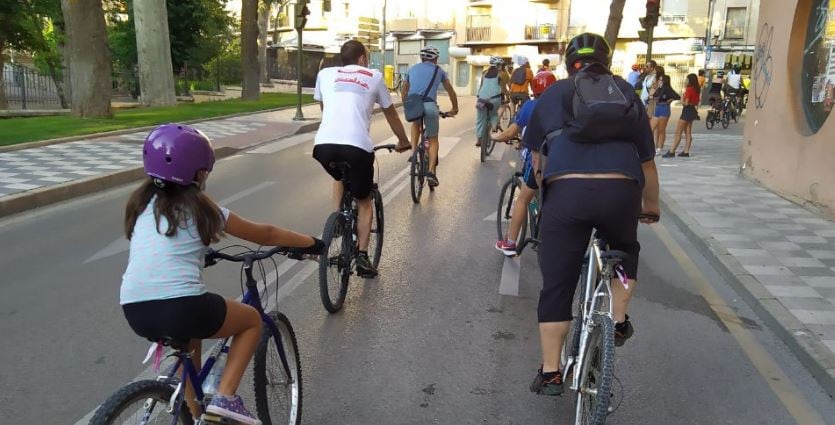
{"x":4,"y":104}
{"x":153,"y":49}
{"x":613,"y":25}
{"x":263,"y":29}
{"x":89,"y":58}
{"x":249,"y":50}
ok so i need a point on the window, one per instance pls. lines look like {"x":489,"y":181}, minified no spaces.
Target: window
{"x":735,"y":22}
{"x":443,"y":48}
{"x":409,"y":47}
{"x":674,"y":7}
{"x":326,"y":5}
{"x":818,"y":76}
{"x":462,"y":76}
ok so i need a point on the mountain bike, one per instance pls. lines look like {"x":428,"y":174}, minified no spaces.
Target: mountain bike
{"x":507,"y":199}
{"x":276,"y":371}
{"x":341,"y":238}
{"x":588,"y":354}
{"x":420,"y":164}
{"x":715,"y":115}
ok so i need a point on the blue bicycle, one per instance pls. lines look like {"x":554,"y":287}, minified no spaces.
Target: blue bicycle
{"x":276,"y":371}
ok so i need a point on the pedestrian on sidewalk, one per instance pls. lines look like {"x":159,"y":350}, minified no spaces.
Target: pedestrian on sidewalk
{"x":664,"y":95}
{"x":688,"y":114}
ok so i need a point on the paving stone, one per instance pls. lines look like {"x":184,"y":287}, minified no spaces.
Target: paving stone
{"x":793,"y":291}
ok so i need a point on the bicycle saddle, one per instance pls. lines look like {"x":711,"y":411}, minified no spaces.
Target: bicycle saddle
{"x":175,"y":343}
{"x":614,"y":256}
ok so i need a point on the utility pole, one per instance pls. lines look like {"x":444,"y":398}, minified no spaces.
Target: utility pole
{"x":301,"y":20}
{"x":649,"y":22}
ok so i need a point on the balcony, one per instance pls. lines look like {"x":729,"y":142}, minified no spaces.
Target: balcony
{"x":478,"y":27}
{"x":541,"y":32}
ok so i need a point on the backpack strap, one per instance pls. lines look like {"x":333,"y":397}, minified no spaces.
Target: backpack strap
{"x":431,"y":82}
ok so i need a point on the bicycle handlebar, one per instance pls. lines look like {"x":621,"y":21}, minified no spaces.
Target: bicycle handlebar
{"x":390,"y":147}
{"x":212,"y":256}
{"x":445,"y":115}
{"x":652,"y":218}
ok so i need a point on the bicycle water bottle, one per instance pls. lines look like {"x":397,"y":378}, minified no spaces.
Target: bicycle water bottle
{"x":212,"y":381}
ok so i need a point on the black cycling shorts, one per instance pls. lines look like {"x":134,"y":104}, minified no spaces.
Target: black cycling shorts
{"x":571,"y":209}
{"x":360,"y":177}
{"x":184,"y":318}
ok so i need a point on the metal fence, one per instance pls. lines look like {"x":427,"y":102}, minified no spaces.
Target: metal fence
{"x":26,"y":88}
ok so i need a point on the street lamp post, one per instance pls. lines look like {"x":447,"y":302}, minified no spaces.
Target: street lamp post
{"x":301,"y":20}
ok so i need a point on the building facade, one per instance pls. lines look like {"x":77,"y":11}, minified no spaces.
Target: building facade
{"x":732,"y":34}
{"x":789,"y":135}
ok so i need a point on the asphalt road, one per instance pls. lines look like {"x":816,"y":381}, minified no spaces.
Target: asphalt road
{"x":431,"y":341}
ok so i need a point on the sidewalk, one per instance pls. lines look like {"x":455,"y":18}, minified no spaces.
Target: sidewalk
{"x":37,"y":176}
{"x":780,"y":253}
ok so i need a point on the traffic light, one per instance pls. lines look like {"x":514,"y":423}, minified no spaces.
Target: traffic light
{"x":653,"y":12}
{"x":301,"y":13}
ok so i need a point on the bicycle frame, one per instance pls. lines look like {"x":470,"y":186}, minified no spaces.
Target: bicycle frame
{"x":596,"y":290}
{"x":189,"y":372}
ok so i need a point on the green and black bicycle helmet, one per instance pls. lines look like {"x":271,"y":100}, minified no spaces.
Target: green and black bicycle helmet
{"x":587,"y":46}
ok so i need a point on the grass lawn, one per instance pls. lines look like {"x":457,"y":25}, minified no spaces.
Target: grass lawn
{"x":19,"y":130}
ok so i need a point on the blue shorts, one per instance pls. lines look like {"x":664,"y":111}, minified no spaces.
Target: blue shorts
{"x":431,"y":118}
{"x":662,"y":110}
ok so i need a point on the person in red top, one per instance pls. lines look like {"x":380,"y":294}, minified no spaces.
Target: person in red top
{"x":690,"y":100}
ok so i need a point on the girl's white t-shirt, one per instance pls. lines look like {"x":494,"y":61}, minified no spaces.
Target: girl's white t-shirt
{"x":163,"y":267}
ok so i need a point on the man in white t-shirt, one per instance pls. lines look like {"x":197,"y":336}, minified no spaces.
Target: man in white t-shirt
{"x":347,"y":95}
{"x":733,"y":81}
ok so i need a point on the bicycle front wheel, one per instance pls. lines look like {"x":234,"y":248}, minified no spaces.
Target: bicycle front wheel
{"x":335,"y":265}
{"x":596,"y":373}
{"x":375,"y":240}
{"x":507,"y":199}
{"x":278,"y":395}
{"x":417,"y":175}
{"x":726,"y":119}
{"x":709,"y":120}
{"x":144,"y":402}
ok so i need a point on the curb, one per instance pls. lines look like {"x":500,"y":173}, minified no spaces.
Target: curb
{"x":812,"y":353}
{"x":41,"y":143}
{"x":24,"y":201}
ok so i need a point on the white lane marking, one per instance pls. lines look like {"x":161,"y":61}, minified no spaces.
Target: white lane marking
{"x":394,"y":180}
{"x":498,"y":152}
{"x":286,"y":143}
{"x":447,"y":145}
{"x":509,"y":284}
{"x":492,"y":216}
{"x":121,"y":245}
{"x":292,"y":283}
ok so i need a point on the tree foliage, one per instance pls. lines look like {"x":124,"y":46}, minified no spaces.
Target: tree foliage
{"x":198,"y":31}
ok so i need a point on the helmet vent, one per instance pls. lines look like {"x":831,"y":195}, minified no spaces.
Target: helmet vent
{"x":168,"y":159}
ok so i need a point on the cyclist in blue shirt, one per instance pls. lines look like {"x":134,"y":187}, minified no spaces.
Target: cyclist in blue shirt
{"x":417,"y":81}
{"x":541,"y":81}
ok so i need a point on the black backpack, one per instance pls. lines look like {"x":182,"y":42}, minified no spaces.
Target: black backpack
{"x":519,"y":75}
{"x":600,"y":109}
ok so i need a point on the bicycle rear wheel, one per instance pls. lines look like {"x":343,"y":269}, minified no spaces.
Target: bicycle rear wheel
{"x":417,"y":174}
{"x":335,"y":265}
{"x":375,"y":240}
{"x":726,"y":119}
{"x":709,"y":120}
{"x":143,"y":402}
{"x":596,"y":373}
{"x":507,"y":199}
{"x":485,"y":135}
{"x":278,"y":397}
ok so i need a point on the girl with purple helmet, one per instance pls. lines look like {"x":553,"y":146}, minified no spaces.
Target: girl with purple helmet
{"x":170,"y":223}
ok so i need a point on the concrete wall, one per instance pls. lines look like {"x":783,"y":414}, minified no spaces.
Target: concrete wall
{"x":781,"y":148}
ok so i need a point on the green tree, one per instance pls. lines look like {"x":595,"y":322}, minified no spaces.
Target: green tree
{"x":21,"y":26}
{"x":613,"y":24}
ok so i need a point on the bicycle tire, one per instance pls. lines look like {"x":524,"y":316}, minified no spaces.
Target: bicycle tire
{"x":375,"y":240}
{"x":491,"y":144}
{"x":263,"y":372}
{"x":139,"y":391}
{"x":417,"y":176}
{"x":484,"y":141}
{"x":571,"y":344}
{"x":598,"y":371}
{"x":726,"y":119}
{"x":709,"y":120}
{"x":507,"y":199}
{"x":334,"y":265}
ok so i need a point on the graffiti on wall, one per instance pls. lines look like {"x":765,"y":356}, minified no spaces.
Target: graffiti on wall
{"x":763,"y":70}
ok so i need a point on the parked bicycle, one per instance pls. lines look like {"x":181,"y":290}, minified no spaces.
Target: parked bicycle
{"x":420,"y":164}
{"x":341,"y":242}
{"x":276,"y":371}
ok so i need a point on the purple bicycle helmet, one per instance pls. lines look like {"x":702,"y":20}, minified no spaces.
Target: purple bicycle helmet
{"x":176,"y":152}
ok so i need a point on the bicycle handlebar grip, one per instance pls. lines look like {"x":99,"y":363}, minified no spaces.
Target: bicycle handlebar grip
{"x":390,"y":147}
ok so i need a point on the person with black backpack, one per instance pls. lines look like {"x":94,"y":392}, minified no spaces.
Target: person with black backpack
{"x":520,"y":84}
{"x":594,"y":154}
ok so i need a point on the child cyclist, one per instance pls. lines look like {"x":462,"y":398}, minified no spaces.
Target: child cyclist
{"x":170,"y":223}
{"x":540,"y":82}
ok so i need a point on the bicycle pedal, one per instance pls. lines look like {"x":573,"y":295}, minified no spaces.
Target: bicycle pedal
{"x":208,"y":418}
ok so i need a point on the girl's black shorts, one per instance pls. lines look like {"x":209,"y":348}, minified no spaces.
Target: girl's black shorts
{"x":195,"y":317}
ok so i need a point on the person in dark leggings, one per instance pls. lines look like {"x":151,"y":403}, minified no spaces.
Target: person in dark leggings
{"x":604,"y":185}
